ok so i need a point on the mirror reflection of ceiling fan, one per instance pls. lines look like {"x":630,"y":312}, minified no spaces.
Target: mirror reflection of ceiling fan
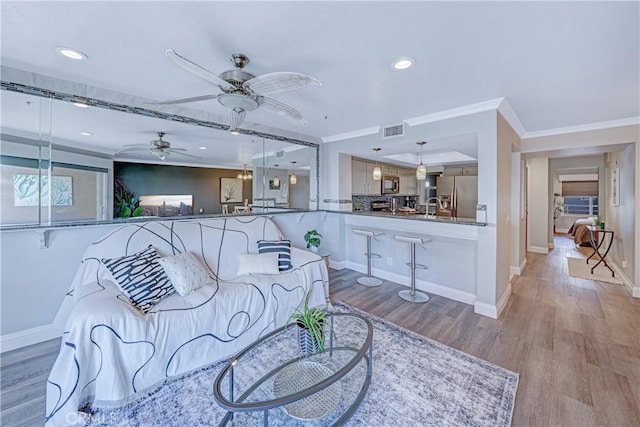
{"x":242,"y":91}
{"x":158,"y":147}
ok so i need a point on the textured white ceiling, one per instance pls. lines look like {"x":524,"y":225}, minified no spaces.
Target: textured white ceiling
{"x":558,"y":64}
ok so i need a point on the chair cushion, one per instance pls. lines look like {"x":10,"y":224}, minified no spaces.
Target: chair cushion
{"x":185,"y":272}
{"x":282,"y":248}
{"x":140,"y":277}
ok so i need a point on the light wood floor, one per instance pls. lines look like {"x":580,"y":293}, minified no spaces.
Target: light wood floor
{"x":575,"y":343}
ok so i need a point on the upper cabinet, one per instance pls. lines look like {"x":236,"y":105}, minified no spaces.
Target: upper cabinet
{"x":390,"y":170}
{"x":408,"y":182}
{"x":362,"y":182}
{"x":461,"y":170}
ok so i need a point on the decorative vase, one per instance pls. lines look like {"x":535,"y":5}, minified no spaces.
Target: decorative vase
{"x":314,"y":249}
{"x":308,"y":345}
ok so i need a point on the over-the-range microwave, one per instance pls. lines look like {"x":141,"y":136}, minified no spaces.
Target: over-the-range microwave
{"x":390,"y":184}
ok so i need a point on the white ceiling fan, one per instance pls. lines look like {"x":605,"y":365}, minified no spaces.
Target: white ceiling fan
{"x":158,"y":147}
{"x":242,"y":91}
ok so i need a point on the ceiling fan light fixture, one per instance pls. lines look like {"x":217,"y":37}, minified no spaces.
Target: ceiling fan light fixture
{"x":403,"y":63}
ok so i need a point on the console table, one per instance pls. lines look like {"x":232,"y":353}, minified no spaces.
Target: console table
{"x":598,"y":237}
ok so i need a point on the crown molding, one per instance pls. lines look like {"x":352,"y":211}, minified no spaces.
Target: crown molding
{"x":583,"y":128}
{"x":466,"y":110}
{"x":511,"y":117}
{"x":353,"y":134}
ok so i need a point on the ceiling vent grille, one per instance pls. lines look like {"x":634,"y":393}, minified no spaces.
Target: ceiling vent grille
{"x":280,"y":154}
{"x":394,"y":130}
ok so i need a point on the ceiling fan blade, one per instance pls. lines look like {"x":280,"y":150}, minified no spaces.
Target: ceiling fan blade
{"x":272,"y":83}
{"x":198,"y":70}
{"x":128,"y":148}
{"x":184,"y":100}
{"x":180,"y":153}
{"x":176,"y":149}
{"x":282,"y":109}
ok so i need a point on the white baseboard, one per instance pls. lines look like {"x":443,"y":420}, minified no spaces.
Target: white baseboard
{"x":493,"y":311}
{"x":550,"y":245}
{"x":562,"y":230}
{"x":538,"y":250}
{"x":516,"y":270}
{"x":423,"y":285}
{"x":628,"y":283}
{"x":27,"y":337}
{"x":337,"y":265}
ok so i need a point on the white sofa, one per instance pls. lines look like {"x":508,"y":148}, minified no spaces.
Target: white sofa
{"x":110,"y":351}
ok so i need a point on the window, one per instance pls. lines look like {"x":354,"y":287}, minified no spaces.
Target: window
{"x":580,"y":197}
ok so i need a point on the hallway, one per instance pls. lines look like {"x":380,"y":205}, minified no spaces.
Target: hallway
{"x":575,"y":342}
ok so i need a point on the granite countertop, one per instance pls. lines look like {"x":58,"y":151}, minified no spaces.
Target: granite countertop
{"x":416,"y":217}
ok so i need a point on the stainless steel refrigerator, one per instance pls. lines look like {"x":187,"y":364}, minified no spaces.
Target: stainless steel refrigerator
{"x":462,"y":192}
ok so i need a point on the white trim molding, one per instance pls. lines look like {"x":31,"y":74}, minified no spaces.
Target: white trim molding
{"x":538,"y":250}
{"x":628,"y":283}
{"x":493,"y":311}
{"x":630,"y":121}
{"x":27,"y":337}
{"x":511,"y":117}
{"x":353,"y":134}
{"x":466,"y":110}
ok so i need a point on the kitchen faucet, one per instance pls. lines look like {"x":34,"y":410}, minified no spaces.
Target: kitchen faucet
{"x":426,"y":215}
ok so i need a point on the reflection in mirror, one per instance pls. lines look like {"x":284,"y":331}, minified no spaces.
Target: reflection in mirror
{"x":90,"y":183}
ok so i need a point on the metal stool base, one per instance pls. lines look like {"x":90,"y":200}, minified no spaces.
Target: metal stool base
{"x":417,"y":296}
{"x":371,"y":282}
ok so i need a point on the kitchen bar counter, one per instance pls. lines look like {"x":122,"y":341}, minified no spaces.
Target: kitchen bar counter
{"x":416,"y":217}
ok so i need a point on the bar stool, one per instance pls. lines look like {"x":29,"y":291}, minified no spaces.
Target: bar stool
{"x":413,"y":295}
{"x":369,"y":280}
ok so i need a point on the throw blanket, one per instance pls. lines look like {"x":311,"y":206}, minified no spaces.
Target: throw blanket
{"x":582,"y":236}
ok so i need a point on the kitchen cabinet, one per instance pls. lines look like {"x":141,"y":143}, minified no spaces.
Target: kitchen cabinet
{"x":362,"y":182}
{"x":470,"y":170}
{"x":390,"y":170}
{"x":408,"y":182}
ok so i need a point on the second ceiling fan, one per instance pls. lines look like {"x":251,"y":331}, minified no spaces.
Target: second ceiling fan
{"x":242,"y":91}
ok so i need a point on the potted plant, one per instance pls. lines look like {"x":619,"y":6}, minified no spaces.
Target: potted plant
{"x":313,"y":239}
{"x":125,"y":202}
{"x":310,"y":323}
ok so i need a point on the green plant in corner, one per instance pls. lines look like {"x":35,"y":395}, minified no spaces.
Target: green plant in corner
{"x":313,"y":238}
{"x":125,"y":202}
{"x":311,"y":319}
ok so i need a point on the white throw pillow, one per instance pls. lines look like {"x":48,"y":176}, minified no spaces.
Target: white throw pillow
{"x":185,"y":272}
{"x":266,"y":263}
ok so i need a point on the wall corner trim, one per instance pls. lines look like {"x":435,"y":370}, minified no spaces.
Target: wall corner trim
{"x":538,"y":250}
{"x":628,"y":283}
{"x":27,"y":337}
{"x":485,"y":309}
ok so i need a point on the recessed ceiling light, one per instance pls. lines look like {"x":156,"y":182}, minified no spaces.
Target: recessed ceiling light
{"x":203,"y":148}
{"x":403,"y":63}
{"x":235,"y":132}
{"x":71,"y":53}
{"x":80,"y":105}
{"x":86,"y":133}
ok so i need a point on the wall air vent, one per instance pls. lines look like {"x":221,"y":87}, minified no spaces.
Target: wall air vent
{"x":394,"y":130}
{"x":280,"y":154}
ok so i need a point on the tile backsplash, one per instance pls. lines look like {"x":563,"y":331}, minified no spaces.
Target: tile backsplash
{"x":367,"y":200}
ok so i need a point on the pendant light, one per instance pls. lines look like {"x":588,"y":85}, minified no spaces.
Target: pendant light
{"x":421,"y":170}
{"x":377,"y":172}
{"x":245,"y":174}
{"x":294,"y":178}
{"x":276,"y":180}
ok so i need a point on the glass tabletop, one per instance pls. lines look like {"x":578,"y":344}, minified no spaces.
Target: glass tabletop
{"x":274,"y":372}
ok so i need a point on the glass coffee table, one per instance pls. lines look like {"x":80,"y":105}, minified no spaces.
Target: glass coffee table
{"x":272,"y":382}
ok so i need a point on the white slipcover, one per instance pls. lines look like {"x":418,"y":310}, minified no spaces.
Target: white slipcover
{"x":110,"y":351}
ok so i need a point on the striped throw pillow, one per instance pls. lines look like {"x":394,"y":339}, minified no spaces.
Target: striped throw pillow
{"x":141,"y":278}
{"x":282,"y":248}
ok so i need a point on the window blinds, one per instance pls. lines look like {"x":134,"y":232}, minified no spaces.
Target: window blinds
{"x":580,"y":188}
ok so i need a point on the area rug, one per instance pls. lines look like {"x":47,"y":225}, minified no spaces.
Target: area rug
{"x":416,"y":381}
{"x":580,"y":269}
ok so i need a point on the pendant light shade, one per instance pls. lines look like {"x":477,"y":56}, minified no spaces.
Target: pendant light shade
{"x":276,"y":180}
{"x":377,"y":171}
{"x":421,"y":170}
{"x":293,"y":179}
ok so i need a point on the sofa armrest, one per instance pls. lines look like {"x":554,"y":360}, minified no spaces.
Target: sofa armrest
{"x":300,"y":257}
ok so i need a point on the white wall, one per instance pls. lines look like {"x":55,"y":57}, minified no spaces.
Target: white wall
{"x":538,"y":205}
{"x":621,"y":218}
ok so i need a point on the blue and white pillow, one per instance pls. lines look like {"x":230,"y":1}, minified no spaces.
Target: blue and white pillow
{"x":141,"y":278}
{"x":282,"y":248}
